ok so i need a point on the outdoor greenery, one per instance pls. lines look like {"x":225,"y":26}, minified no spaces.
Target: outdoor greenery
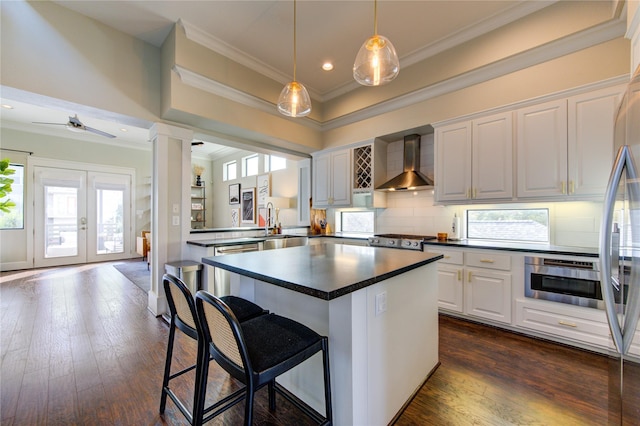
{"x":5,"y":186}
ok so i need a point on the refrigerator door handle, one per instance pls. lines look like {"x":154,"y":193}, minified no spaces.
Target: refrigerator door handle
{"x":622,"y":334}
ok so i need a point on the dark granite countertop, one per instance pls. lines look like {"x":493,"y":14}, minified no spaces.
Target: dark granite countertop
{"x":325,"y":271}
{"x":515,"y":246}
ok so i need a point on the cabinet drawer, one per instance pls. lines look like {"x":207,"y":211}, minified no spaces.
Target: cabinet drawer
{"x":450,"y":256}
{"x":589,"y":327}
{"x":489,"y":260}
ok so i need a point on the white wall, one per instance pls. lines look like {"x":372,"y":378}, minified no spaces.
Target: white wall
{"x":14,"y":244}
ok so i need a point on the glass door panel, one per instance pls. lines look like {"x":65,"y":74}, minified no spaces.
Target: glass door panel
{"x":60,"y":216}
{"x":110,"y":221}
{"x":61,"y":221}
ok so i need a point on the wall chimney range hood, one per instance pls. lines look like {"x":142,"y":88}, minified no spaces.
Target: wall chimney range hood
{"x":410,"y":179}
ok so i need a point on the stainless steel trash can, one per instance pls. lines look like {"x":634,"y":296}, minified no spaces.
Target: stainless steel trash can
{"x":189,"y":271}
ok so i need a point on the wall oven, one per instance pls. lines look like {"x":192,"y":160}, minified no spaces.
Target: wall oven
{"x":575,"y":282}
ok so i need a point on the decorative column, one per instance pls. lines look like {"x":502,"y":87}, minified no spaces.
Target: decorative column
{"x":170,"y":182}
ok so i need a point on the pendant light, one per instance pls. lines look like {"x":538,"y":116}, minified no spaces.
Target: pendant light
{"x":294,"y":100}
{"x":377,"y":61}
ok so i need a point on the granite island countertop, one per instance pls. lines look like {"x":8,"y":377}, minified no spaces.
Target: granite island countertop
{"x":326,"y":271}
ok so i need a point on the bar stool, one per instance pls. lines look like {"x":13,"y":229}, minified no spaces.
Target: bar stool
{"x":255,"y":352}
{"x":184,"y":318}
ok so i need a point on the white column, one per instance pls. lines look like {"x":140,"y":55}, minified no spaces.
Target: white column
{"x":170,"y":222}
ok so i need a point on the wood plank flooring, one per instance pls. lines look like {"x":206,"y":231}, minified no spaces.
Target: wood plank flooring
{"x":78,"y":346}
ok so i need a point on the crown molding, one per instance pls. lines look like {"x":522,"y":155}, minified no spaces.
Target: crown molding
{"x":518,"y":11}
{"x":201,"y":82}
{"x":557,"y":48}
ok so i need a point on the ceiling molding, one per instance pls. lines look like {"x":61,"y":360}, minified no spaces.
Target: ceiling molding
{"x":201,"y":82}
{"x":557,"y":48}
{"x":205,"y":39}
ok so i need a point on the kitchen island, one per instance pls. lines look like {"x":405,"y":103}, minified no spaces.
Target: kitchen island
{"x":377,"y":305}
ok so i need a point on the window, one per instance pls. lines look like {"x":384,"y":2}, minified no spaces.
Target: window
{"x":357,"y":221}
{"x":273,"y":163}
{"x":15,"y":218}
{"x":531,"y":225}
{"x":229,"y":171}
{"x":250,"y":165}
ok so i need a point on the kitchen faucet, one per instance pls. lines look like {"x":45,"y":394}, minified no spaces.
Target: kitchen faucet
{"x":268,"y":219}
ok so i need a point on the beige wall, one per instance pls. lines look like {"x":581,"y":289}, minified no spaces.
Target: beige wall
{"x":284,"y":183}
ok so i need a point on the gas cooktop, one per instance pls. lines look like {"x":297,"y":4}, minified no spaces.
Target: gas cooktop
{"x":401,"y":241}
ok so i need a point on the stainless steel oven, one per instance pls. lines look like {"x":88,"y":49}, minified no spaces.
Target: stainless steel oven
{"x":576,"y":282}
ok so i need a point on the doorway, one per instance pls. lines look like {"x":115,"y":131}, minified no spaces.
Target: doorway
{"x":80,"y":216}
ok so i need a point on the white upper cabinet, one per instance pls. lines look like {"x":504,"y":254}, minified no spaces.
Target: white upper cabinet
{"x":590,"y":140}
{"x":565,"y":147}
{"x":453,"y":161}
{"x":474,"y":159}
{"x":542,"y":150}
{"x":492,"y":157}
{"x":332,"y":178}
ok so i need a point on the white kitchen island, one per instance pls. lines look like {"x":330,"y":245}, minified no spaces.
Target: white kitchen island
{"x":377,"y":305}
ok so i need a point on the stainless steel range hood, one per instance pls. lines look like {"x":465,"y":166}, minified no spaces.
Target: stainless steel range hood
{"x":410,"y":178}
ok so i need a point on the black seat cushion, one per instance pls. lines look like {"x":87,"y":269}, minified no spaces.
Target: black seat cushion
{"x":242,"y":308}
{"x":272,"y":339}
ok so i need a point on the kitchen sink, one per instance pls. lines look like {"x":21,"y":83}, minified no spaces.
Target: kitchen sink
{"x":278,"y":243}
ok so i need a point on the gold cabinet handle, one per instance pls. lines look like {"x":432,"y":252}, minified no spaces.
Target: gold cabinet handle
{"x":469,"y":277}
{"x":468,"y":192}
{"x":487,"y":260}
{"x":564,"y":187}
{"x":567,"y":324}
{"x":475,"y":192}
{"x":571,"y":187}
{"x":459,"y":275}
{"x":447,"y":257}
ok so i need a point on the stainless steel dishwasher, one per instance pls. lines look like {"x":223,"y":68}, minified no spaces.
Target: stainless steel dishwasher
{"x":221,"y":276}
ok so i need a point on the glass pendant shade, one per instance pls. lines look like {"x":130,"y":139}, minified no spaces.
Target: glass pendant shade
{"x":376,"y":63}
{"x":294,"y":100}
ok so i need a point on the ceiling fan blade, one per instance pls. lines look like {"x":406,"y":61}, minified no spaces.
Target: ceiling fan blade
{"x":197,"y":143}
{"x":55,"y":124}
{"x":99,"y":132}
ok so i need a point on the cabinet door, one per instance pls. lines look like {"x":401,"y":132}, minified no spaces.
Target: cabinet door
{"x":591,"y":120}
{"x":542,"y":150}
{"x":450,"y":288}
{"x":488,"y":294}
{"x":492,"y":157}
{"x":321,"y":179}
{"x":453,"y":162}
{"x":340,"y":178}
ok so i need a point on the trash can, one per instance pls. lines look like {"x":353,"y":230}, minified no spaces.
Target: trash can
{"x":189,"y":271}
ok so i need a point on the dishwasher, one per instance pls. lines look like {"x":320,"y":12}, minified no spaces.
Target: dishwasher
{"x":221,"y":276}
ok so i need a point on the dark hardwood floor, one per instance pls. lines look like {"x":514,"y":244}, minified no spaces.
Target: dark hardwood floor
{"x":79,"y":346}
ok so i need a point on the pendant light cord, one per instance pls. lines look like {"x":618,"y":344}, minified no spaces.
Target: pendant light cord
{"x":294,"y":40}
{"x":375,"y":17}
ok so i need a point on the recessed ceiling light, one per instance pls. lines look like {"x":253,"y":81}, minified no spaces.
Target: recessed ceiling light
{"x":124,"y":130}
{"x":327,"y":66}
{"x":7,"y":106}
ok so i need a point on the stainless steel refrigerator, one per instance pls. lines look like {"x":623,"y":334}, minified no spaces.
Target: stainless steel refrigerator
{"x":620,"y":261}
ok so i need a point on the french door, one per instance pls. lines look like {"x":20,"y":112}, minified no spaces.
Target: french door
{"x":80,"y":216}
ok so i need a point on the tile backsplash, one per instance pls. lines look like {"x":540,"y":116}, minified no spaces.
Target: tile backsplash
{"x":574,"y":224}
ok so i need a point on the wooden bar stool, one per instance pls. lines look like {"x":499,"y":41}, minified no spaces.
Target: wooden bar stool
{"x":255,"y":352}
{"x":184,"y":318}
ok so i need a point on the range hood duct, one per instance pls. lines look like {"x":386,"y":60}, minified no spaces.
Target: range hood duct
{"x":411,"y":178}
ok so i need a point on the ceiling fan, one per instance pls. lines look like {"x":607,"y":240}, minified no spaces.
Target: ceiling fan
{"x":75,"y":125}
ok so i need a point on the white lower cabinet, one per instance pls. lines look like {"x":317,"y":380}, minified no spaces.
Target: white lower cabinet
{"x":583,"y":325}
{"x":476,"y":283}
{"x":450,"y":286}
